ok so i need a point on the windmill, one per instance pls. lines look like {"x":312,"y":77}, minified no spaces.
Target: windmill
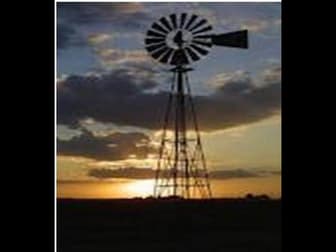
{"x":180,"y":40}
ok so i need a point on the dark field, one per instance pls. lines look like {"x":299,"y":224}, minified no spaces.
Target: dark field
{"x":168,"y":225}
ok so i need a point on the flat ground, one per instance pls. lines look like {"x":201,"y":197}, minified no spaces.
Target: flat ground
{"x":168,"y":225}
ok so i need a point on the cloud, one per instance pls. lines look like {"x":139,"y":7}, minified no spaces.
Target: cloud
{"x":129,"y":173}
{"x":237,"y":173}
{"x":111,"y":57}
{"x":116,"y":146}
{"x":79,"y":19}
{"x":98,"y":38}
{"x":272,"y":74}
{"x":236,"y":80}
{"x":126,"y":98}
{"x":128,"y":8}
{"x":67,"y":36}
{"x":116,"y":14}
{"x":277,"y":22}
{"x":148,"y":173}
{"x":255,"y":25}
{"x":64,"y":34}
{"x":112,"y":97}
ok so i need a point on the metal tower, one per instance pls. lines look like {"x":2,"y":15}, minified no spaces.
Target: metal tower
{"x":179,"y":40}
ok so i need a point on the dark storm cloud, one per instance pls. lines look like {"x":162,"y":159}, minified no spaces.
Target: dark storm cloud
{"x":128,"y":16}
{"x":71,"y":17}
{"x":116,"y":146}
{"x":129,"y":173}
{"x":237,"y":173}
{"x":86,"y":13}
{"x":125,"y":98}
{"x":118,"y":97}
{"x":147,"y":173}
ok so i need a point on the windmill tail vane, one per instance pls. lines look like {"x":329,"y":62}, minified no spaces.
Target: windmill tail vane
{"x":180,"y":40}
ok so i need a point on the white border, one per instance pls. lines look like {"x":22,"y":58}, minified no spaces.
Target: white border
{"x":55,"y":125}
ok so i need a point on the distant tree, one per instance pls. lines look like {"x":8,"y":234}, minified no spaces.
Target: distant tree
{"x":150,"y":197}
{"x":249,"y":196}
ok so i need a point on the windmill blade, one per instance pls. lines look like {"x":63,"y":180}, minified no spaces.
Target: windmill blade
{"x":158,"y":27}
{"x":152,"y":33}
{"x":192,"y":54}
{"x":165,"y":22}
{"x":173,"y":20}
{"x":205,"y":29}
{"x":199,"y":24}
{"x":149,"y":41}
{"x":183,"y":19}
{"x":191,"y":20}
{"x":199,"y":49}
{"x":236,"y":39}
{"x":166,"y":56}
{"x":155,"y":47}
{"x":159,"y":52}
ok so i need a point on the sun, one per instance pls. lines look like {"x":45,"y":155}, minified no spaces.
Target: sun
{"x":140,"y":188}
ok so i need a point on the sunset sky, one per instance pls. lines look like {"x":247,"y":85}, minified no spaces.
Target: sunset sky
{"x":111,"y":96}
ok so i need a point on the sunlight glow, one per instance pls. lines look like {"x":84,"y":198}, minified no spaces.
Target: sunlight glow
{"x":141,"y":188}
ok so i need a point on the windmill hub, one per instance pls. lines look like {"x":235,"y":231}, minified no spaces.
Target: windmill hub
{"x":180,"y":40}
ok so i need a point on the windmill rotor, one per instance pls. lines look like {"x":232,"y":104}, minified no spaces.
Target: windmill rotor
{"x":186,"y":38}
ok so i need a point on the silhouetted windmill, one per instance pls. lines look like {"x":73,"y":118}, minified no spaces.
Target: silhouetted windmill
{"x":180,"y":40}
